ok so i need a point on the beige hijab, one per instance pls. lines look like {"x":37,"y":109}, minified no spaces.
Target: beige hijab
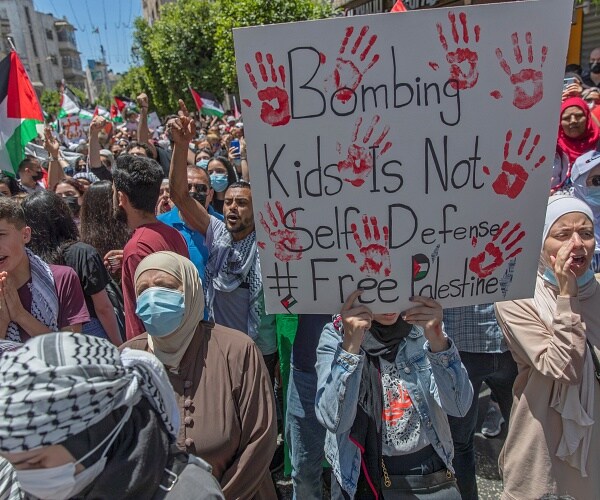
{"x":170,"y":349}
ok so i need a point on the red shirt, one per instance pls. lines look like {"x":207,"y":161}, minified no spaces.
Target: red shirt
{"x":146,"y":239}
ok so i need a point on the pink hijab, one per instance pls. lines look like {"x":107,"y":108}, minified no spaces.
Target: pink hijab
{"x":575,"y":147}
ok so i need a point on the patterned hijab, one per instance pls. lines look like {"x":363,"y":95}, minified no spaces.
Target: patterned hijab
{"x":59,"y":384}
{"x":170,"y":349}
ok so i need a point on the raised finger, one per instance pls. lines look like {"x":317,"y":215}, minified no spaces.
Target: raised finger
{"x":351,"y":299}
{"x":183,"y":111}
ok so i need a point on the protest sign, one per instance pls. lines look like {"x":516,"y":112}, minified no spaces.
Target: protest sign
{"x":75,"y":127}
{"x":405,"y":154}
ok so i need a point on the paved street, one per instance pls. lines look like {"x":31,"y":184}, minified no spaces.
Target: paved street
{"x":487,"y":451}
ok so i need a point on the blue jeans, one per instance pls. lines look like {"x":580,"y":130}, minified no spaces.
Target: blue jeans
{"x":305,"y":435}
{"x":498,"y":371}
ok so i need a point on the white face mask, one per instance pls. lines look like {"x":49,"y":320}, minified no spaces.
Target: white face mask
{"x":61,"y":483}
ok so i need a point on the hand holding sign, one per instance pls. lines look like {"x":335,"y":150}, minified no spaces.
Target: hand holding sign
{"x":287,"y":247}
{"x":512,"y":178}
{"x":376,"y":256}
{"x":462,"y":55}
{"x":275,"y":108}
{"x":359,"y":163}
{"x":350,"y":68}
{"x":480,"y":264}
{"x":526,"y":76}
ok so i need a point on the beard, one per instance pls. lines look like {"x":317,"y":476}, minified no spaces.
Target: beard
{"x":120,"y":215}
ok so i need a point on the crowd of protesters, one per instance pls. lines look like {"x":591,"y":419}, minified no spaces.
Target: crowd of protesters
{"x":137,"y":360}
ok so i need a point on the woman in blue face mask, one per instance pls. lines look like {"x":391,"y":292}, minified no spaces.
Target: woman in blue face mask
{"x":81,"y":420}
{"x":222,"y":174}
{"x":585,"y":177}
{"x":223,"y":389}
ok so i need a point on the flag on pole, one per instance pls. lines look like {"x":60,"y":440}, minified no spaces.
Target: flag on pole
{"x":207,"y":103}
{"x":115,"y":116}
{"x":101,"y":111}
{"x":121,"y":104}
{"x":67,"y":106}
{"x":398,"y":7}
{"x":20,"y":111}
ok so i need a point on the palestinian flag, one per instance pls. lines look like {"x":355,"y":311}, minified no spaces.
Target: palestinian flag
{"x":420,"y":266}
{"x":115,"y":116}
{"x":67,"y":106}
{"x":207,"y":103}
{"x":20,"y":111}
{"x":101,"y":111}
{"x":398,"y":7}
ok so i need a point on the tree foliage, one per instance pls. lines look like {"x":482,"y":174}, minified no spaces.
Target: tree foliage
{"x":191,"y":44}
{"x":231,"y":14}
{"x":177,"y":51}
{"x":50,"y":101}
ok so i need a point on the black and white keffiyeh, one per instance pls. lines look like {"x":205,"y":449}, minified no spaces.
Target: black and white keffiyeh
{"x":59,"y":384}
{"x":230,"y":264}
{"x":44,"y":298}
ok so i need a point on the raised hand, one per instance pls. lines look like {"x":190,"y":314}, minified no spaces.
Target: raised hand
{"x":496,"y":252}
{"x":374,"y":251}
{"x":463,"y":59}
{"x":513,"y":176}
{"x":358,"y":164}
{"x":142,"y":100}
{"x":275,"y":107}
{"x":526,"y":78}
{"x":183,"y":129}
{"x":97,"y":124}
{"x":287,"y":247}
{"x":428,"y":314}
{"x":356,"y":321}
{"x":51,"y":145}
{"x":351,"y":66}
{"x":565,"y":276}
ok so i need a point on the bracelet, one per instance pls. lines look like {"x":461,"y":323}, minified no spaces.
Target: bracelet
{"x":55,"y":158}
{"x":243,"y":158}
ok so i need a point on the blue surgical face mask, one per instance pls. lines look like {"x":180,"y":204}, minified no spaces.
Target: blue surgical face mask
{"x":161,"y":310}
{"x":582,"y":280}
{"x":219,"y":182}
{"x":589,"y":194}
{"x":202,"y":164}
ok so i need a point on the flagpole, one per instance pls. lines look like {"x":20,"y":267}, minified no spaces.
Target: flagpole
{"x":11,"y":43}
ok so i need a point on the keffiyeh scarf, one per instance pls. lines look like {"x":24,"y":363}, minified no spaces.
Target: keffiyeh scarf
{"x":59,"y":384}
{"x":230,"y":264}
{"x":44,"y":299}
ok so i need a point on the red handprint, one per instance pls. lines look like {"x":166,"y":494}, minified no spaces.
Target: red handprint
{"x":480,"y":264}
{"x":375,"y":255}
{"x":513,"y":176}
{"x":351,"y":67}
{"x":286,"y":240}
{"x":461,"y":56}
{"x":275,"y":108}
{"x":526,"y":77}
{"x":359,"y":162}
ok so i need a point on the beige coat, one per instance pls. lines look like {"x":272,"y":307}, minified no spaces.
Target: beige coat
{"x":227,"y":409}
{"x":547,"y":338}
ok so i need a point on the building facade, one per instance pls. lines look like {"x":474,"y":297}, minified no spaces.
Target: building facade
{"x":151,"y":9}
{"x":45,"y":44}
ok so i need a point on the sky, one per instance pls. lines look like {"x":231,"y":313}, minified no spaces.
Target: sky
{"x":114,"y":20}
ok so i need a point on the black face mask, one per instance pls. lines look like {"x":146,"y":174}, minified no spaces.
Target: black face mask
{"x":595,"y":68}
{"x":72,"y":202}
{"x":199,"y":197}
{"x":38,"y":176}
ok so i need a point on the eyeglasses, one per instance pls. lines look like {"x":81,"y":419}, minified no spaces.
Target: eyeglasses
{"x":595,"y":180}
{"x":199,"y":188}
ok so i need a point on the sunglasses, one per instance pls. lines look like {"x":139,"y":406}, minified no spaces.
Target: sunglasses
{"x":200,"y":188}
{"x":595,"y":181}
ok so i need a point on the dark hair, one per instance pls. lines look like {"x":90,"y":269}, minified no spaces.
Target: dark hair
{"x":169,"y":117}
{"x":51,"y":223}
{"x":143,"y":145}
{"x":573,"y":68}
{"x":204,"y":150}
{"x":203,"y":171}
{"x":12,"y":212}
{"x":74,"y":183}
{"x":10,"y":182}
{"x":239,"y":184}
{"x":29,"y":160}
{"x":140,"y":179}
{"x":231,"y":175}
{"x":98,"y":227}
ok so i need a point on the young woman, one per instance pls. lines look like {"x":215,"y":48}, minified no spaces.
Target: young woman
{"x":385,"y":385}
{"x":222,"y":174}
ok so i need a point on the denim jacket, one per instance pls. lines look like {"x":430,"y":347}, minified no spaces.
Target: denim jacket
{"x":438,"y":384}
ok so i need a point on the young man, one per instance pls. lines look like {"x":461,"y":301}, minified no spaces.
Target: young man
{"x":35,"y":297}
{"x":136,"y":186}
{"x":31,"y":175}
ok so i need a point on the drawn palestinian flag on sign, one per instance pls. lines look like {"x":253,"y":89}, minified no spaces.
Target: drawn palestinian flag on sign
{"x":20,"y":111}
{"x":420,"y":266}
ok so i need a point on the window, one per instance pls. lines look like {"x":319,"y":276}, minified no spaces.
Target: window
{"x":54,"y":59}
{"x":39,"y":70}
{"x":49,"y":34}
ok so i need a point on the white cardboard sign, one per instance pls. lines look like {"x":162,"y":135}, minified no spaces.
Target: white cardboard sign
{"x":406,"y":154}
